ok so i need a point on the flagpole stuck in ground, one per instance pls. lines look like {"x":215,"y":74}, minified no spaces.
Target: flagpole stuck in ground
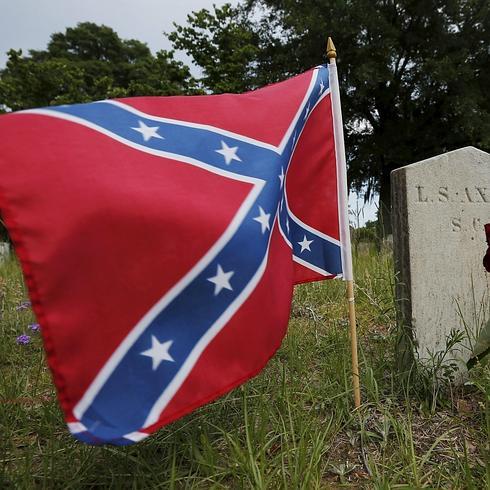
{"x":344,"y":217}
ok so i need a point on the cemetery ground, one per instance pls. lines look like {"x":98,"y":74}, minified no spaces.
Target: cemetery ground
{"x":291,"y":427}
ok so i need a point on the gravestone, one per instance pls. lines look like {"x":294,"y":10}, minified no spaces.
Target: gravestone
{"x":4,"y":250}
{"x":439,"y":207}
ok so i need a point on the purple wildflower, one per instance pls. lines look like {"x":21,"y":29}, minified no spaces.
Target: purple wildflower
{"x":24,"y":305}
{"x":23,"y":339}
{"x":35,"y":327}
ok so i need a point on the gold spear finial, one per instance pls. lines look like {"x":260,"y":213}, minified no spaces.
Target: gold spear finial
{"x":331,"y":51}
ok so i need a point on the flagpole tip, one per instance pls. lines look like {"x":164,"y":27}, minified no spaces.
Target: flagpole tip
{"x":331,"y":51}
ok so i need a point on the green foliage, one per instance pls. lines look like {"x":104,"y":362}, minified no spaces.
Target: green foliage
{"x":224,"y":45}
{"x":89,"y":62}
{"x":434,"y":376}
{"x":367,"y":233}
{"x":291,"y":427}
{"x":481,"y":349}
{"x":86,"y":63}
{"x":413,"y":74}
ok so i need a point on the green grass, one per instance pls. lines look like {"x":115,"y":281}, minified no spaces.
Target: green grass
{"x":291,"y":427}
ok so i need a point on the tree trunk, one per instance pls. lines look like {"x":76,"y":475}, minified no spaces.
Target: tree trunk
{"x":384,"y":210}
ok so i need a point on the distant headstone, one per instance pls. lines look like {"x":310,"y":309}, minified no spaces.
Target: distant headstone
{"x":439,"y":207}
{"x":4,"y":250}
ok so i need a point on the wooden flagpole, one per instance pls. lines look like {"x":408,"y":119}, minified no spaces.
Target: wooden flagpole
{"x":343,"y":198}
{"x":353,"y":343}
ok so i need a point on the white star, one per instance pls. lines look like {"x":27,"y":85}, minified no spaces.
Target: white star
{"x":148,"y":132}
{"x":158,"y":352}
{"x":263,"y":219}
{"x":322,"y":87}
{"x":307,"y":111}
{"x":305,"y":244}
{"x":281,"y":204}
{"x":229,"y":153}
{"x":221,"y":280}
{"x":294,"y":138}
{"x":281,"y":177}
{"x":287,"y":225}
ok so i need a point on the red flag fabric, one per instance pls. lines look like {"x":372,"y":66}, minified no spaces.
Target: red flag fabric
{"x":160,"y":239}
{"x":486,"y":258}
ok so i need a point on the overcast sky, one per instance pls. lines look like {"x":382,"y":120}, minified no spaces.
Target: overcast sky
{"x":28,"y":24}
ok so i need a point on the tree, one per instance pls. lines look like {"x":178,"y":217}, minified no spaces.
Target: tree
{"x":413,"y":73}
{"x":89,"y":62}
{"x":224,"y":44}
{"x":86,"y":63}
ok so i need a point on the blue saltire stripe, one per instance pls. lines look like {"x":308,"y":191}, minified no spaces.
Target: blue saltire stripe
{"x":122,"y":398}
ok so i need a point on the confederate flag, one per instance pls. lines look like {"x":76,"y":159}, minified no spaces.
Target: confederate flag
{"x":160,"y":239}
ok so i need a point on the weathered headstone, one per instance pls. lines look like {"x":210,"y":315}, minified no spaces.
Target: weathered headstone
{"x":439,"y":207}
{"x":4,"y":250}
